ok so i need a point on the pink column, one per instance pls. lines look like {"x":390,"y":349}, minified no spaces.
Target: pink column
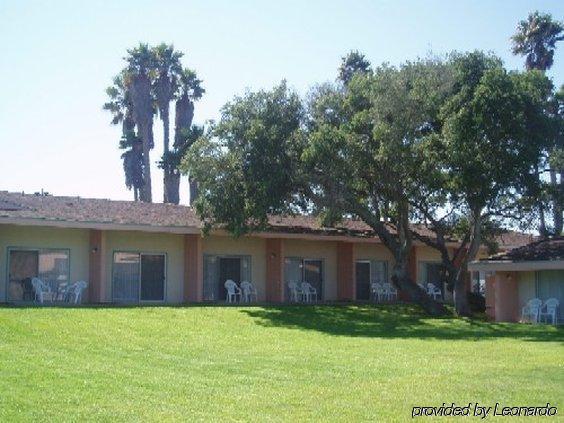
{"x":346,"y":278}
{"x":193,"y":268}
{"x":506,"y":297}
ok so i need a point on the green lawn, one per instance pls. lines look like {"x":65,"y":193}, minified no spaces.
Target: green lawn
{"x":265,"y":363}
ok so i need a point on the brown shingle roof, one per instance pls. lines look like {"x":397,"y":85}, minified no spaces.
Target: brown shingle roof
{"x":156,"y":215}
{"x":89,"y":210}
{"x":544,"y":250}
{"x":513,"y":239}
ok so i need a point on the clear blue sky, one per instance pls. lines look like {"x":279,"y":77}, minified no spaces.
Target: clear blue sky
{"x":57,"y":57}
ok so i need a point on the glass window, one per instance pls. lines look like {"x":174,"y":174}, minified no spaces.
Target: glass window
{"x":550,"y":284}
{"x":126,"y":277}
{"x":51,"y":266}
{"x":298,"y":270}
{"x":379,"y":271}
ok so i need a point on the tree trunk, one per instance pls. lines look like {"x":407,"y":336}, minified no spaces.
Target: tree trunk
{"x":556,"y":204}
{"x":193,"y":190}
{"x":167,"y":171}
{"x":460,"y":293}
{"x":401,"y":279}
{"x":146,"y":194}
{"x":173,"y":187}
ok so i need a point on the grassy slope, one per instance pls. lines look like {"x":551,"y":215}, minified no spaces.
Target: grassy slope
{"x":336,"y":363}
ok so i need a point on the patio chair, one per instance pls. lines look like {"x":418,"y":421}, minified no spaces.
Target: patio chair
{"x":296,"y":294}
{"x":40,"y":288}
{"x":433,"y":291}
{"x":308,"y":292}
{"x":549,"y":309}
{"x":233,"y":291}
{"x":62,"y":291}
{"x":377,"y":291}
{"x":390,"y":292}
{"x":249,"y":291}
{"x":74,"y":292}
{"x":530,"y":312}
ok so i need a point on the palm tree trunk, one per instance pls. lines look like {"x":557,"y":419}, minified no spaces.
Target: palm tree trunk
{"x":146,"y":194}
{"x":556,"y":204}
{"x":174,"y":188}
{"x":167,"y":171}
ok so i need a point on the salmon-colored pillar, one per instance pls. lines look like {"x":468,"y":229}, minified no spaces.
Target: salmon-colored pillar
{"x":193,"y":268}
{"x":97,"y":267}
{"x":506,"y":297}
{"x":346,"y":278}
{"x":275,"y":270}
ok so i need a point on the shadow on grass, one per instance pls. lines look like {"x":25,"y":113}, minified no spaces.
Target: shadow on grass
{"x":396,"y":321}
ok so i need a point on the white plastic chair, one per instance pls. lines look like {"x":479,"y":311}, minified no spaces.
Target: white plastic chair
{"x":377,"y":291}
{"x":433,"y":291}
{"x":390,"y":292}
{"x":40,"y":288}
{"x":249,"y":291}
{"x":62,"y":292}
{"x":549,"y":309}
{"x":531,"y":311}
{"x":233,"y":291}
{"x":296,"y":294}
{"x":309,"y":292}
{"x":74,"y":292}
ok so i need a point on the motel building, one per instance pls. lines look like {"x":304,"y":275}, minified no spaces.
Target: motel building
{"x":525,"y":283}
{"x":131,"y":252}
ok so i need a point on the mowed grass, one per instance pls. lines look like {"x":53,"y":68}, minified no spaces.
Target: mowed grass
{"x":336,"y":363}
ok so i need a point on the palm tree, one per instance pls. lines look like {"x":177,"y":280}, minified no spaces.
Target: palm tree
{"x":168,"y":68}
{"x":190,"y":90}
{"x":536,"y":39}
{"x":120,"y":106}
{"x":137,"y":77}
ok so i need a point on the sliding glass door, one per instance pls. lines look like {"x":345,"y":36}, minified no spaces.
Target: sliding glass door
{"x":218,"y":269}
{"x":49,"y":265}
{"x":138,"y":277}
{"x":152,"y":277}
{"x":298,"y":270}
{"x":363,"y":280}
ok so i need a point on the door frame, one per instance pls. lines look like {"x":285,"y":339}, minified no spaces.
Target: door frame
{"x":141,"y":253}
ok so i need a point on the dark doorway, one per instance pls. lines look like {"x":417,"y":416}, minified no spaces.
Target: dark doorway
{"x":363,"y":280}
{"x":313,"y":274}
{"x":229,"y":268}
{"x":152,"y":277}
{"x":24,"y":265}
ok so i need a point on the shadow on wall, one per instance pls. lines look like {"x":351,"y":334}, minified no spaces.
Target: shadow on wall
{"x":396,"y":321}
